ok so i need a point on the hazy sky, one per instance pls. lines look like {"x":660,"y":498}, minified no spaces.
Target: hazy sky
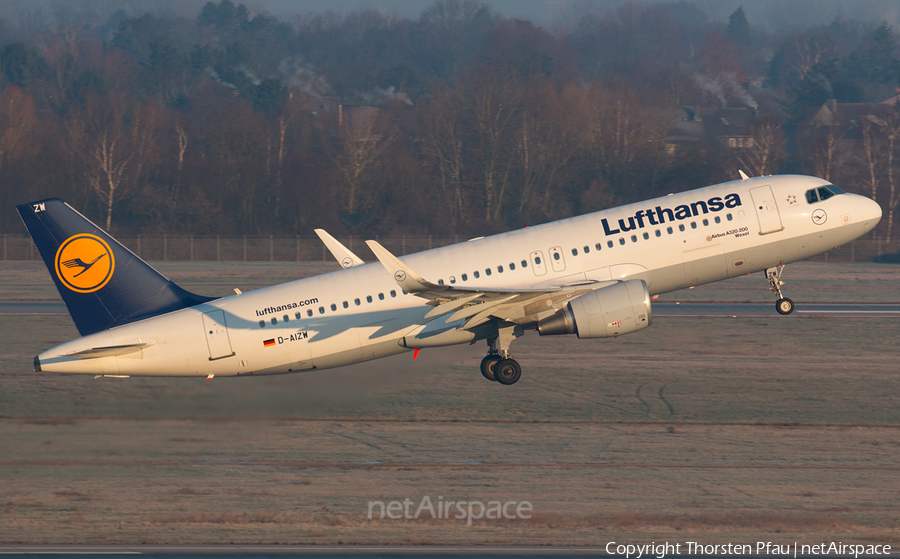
{"x":765,"y":14}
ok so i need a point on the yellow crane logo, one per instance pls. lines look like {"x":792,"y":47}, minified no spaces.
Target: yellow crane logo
{"x":84,"y":263}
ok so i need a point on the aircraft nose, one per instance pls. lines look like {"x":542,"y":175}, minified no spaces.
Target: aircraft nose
{"x":872,"y":212}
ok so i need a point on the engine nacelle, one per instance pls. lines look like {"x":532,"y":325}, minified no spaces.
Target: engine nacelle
{"x":619,"y":309}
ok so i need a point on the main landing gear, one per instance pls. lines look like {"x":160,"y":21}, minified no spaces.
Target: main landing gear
{"x":499,"y":364}
{"x":783,"y":305}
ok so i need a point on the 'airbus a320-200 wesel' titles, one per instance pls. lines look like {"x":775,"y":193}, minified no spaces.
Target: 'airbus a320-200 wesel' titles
{"x":593,"y":276}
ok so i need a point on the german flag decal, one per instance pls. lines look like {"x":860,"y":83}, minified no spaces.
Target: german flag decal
{"x":269,"y":343}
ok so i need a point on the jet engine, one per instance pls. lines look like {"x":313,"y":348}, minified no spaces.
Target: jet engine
{"x":619,"y":309}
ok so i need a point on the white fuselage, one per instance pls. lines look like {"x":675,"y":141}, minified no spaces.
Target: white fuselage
{"x":360,"y":313}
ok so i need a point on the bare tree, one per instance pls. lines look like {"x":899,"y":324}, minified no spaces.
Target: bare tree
{"x":181,"y":144}
{"x":442,"y":146}
{"x":108,"y":171}
{"x":551,"y":135}
{"x":17,"y":123}
{"x":892,"y":132}
{"x":820,"y":147}
{"x":493,"y":98}
{"x":766,"y":149}
{"x":360,"y":143}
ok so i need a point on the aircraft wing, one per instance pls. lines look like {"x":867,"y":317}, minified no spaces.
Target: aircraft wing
{"x":479,"y":305}
{"x":342,"y":254}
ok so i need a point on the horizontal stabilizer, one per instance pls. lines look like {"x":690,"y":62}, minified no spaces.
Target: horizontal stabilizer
{"x":108,"y":351}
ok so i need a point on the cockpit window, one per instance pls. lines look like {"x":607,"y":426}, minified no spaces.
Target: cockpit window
{"x":824,"y":193}
{"x":811,"y":196}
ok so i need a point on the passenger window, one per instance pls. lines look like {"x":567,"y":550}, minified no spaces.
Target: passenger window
{"x":728,"y":217}
{"x":705,"y":222}
{"x":333,"y":307}
{"x":346,"y":305}
{"x":322,"y":309}
{"x":465,"y":277}
{"x":658,"y":233}
{"x":274,"y":320}
{"x":598,"y":246}
{"x":477,"y":275}
{"x":621,"y":240}
{"x":824,"y":193}
{"x":609,"y":244}
{"x":811,"y":197}
{"x":574,"y":252}
{"x":586,"y":249}
{"x":646,"y":236}
{"x":368,"y":298}
{"x":487,"y":271}
{"x":718,"y":219}
{"x":286,"y":318}
{"x":500,"y":269}
{"x":537,"y":260}
{"x":693,"y":225}
{"x":297,"y":315}
{"x":440,"y":282}
{"x":512,"y":265}
{"x":556,"y":256}
{"x":452,"y":279}
{"x":524,"y":263}
{"x":669,"y":230}
{"x":634,"y":238}
{"x":309,"y":312}
{"x":356,"y":302}
{"x":262,"y":323}
{"x":381,"y":296}
{"x":393,"y":293}
{"x":681,"y":227}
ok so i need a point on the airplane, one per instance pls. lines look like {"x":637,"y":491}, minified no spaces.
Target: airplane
{"x":593,"y":276}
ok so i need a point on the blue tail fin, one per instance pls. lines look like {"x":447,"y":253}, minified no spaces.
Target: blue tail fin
{"x":102,"y":283}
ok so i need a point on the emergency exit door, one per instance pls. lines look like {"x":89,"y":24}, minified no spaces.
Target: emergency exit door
{"x":217,"y":335}
{"x":766,"y":210}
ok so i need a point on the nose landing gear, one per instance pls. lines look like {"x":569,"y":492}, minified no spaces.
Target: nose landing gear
{"x":783,"y":305}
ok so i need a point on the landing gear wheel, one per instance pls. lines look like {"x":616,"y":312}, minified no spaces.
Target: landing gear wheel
{"x":784,"y":306}
{"x":507,"y":371}
{"x":489,"y":365}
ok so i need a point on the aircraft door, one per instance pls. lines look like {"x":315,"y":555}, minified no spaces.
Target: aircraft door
{"x":538,"y":264}
{"x":557,"y":260}
{"x":217,"y":335}
{"x":766,"y":210}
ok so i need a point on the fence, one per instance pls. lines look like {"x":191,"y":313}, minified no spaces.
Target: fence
{"x":304,"y":249}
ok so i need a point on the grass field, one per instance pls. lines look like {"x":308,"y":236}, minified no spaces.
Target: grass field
{"x":697,"y":429}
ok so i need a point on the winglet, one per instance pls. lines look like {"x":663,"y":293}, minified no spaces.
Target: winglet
{"x":408,"y":280}
{"x":341,"y":253}
{"x":743,"y":175}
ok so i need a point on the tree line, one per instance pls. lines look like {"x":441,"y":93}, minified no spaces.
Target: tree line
{"x":460,"y":121}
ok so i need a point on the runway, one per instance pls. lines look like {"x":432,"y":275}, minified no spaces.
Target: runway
{"x":660,"y":310}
